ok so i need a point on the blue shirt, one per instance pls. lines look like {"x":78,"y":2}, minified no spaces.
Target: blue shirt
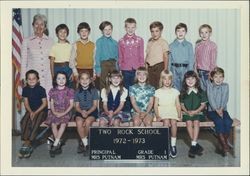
{"x":106,"y":48}
{"x":181,"y":53}
{"x":86,"y":97}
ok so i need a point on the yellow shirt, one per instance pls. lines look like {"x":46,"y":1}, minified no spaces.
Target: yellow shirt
{"x":155,"y":50}
{"x":61,"y":52}
{"x":82,"y":56}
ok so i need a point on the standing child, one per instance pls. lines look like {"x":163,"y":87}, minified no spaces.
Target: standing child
{"x":142,"y":98}
{"x":61,"y":102}
{"x":106,"y":53}
{"x":218,"y":94}
{"x":156,"y":54}
{"x":131,"y":55}
{"x":114,"y":97}
{"x":167,"y":107}
{"x":181,"y":56}
{"x":205,"y":54}
{"x":193,"y":101}
{"x":86,"y":99}
{"x":60,"y":53}
{"x":35,"y":103}
{"x":82,"y":54}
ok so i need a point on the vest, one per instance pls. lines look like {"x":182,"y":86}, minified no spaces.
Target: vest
{"x":113,"y":103}
{"x":85,"y":55}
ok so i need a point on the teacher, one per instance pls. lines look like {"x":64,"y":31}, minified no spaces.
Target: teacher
{"x":35,"y":52}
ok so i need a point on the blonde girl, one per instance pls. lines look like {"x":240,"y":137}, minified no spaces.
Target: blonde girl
{"x":167,"y":107}
{"x":142,"y":98}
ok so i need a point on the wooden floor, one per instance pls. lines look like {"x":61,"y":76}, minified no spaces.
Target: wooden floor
{"x":69,"y":157}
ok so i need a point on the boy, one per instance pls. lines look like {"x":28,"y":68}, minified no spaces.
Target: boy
{"x":218,"y":94}
{"x":131,"y":55}
{"x":156,"y":53}
{"x":205,"y":54}
{"x":181,"y":56}
{"x":35,"y":103}
{"x":106,"y":55}
{"x":82,"y":54}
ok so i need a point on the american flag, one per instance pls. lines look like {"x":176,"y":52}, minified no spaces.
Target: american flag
{"x":17,"y":39}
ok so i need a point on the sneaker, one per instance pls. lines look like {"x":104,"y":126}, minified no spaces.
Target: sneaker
{"x":22,"y":152}
{"x":86,"y":151}
{"x":199,"y":149}
{"x":191,"y":152}
{"x":55,"y":150}
{"x":28,"y":152}
{"x":173,"y":151}
{"x":80,"y":148}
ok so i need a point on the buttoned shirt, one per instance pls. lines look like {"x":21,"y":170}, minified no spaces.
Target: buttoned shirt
{"x":34,"y":55}
{"x":181,"y":53}
{"x":106,"y":48}
{"x":206,"y":55}
{"x":155,"y":50}
{"x":131,"y":52}
{"x":217,"y":96}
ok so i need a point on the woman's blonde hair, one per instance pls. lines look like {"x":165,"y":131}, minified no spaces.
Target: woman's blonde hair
{"x":141,"y":69}
{"x":165,"y":74}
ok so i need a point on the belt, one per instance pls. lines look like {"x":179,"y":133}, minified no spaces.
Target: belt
{"x":61,"y":64}
{"x":179,"y":65}
{"x":154,"y":64}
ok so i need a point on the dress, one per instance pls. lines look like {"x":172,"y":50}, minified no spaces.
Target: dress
{"x":61,"y":103}
{"x":192,"y":101}
{"x":166,"y":106}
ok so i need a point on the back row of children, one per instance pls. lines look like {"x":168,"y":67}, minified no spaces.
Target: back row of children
{"x":131,"y":58}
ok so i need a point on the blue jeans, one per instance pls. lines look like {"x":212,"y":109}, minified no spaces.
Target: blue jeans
{"x":178,"y":75}
{"x":222,"y":125}
{"x":203,"y":74}
{"x":67,"y":70}
{"x":128,"y":78}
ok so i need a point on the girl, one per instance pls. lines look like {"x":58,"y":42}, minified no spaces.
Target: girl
{"x":114,"y":97}
{"x":61,"y":102}
{"x":35,"y":103}
{"x":142,"y":98}
{"x":193,"y":101}
{"x":86,"y":99}
{"x":167,"y":107}
{"x":60,"y":53}
{"x":106,"y":54}
{"x":218,"y":94}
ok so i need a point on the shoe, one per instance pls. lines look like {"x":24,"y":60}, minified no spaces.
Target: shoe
{"x":86,"y":151}
{"x":80,"y":148}
{"x":28,"y":152}
{"x":173,"y":151}
{"x":199,"y":149}
{"x":191,"y":152}
{"x":55,"y":150}
{"x":22,"y":152}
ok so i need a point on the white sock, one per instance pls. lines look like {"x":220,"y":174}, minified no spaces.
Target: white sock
{"x":56,"y":142}
{"x":173,"y":141}
{"x":194,"y":143}
{"x":85,"y":141}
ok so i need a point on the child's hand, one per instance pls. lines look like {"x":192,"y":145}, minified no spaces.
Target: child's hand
{"x":75,"y":77}
{"x":110,"y":114}
{"x":219,"y":112}
{"x":84,"y":114}
{"x":143,"y":115}
{"x":192,"y":113}
{"x":179,"y":119}
{"x":58,"y":114}
{"x":71,"y":78}
{"x":32,"y":115}
{"x":158,"y":118}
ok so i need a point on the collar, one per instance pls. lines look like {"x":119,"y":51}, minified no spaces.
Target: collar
{"x":36,"y":37}
{"x":183,"y":43}
{"x":79,"y":40}
{"x":107,"y":38}
{"x":190,"y":90}
{"x":126,"y":36}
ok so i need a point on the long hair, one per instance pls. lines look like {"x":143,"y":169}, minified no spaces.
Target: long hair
{"x":108,"y":81}
{"x":55,"y":77}
{"x":187,"y":75}
{"x":91,"y":84}
{"x":141,"y":69}
{"x":165,"y":74}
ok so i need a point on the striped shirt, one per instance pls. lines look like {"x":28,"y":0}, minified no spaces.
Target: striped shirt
{"x":206,"y":55}
{"x":35,"y":55}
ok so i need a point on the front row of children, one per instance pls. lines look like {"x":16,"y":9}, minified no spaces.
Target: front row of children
{"x":167,"y":104}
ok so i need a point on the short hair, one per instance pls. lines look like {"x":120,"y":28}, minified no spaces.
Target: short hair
{"x":165,"y":74}
{"x":157,"y":24}
{"x":205,"y":26}
{"x":104,"y":24}
{"x":83,"y":25}
{"x":62,"y":26}
{"x":31,"y":72}
{"x":217,"y":70}
{"x":181,"y":25}
{"x":130,"y":20}
{"x":55,"y":77}
{"x":45,"y":21}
